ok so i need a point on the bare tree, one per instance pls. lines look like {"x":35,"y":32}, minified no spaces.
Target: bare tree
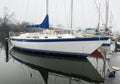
{"x":7,"y":17}
{"x":4,"y":27}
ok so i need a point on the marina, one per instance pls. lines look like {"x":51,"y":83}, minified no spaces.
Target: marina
{"x":59,"y":42}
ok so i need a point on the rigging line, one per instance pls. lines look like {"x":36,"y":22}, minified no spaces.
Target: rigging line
{"x":47,"y":5}
{"x":107,"y":13}
{"x":55,"y":7}
{"x":102,"y":20}
{"x":66,"y":14}
{"x":83,"y":12}
{"x":59,"y":16}
{"x":96,"y":5}
{"x":27,"y":9}
{"x":111,"y":18}
{"x":71,"y":14}
{"x":79,"y":10}
{"x":35,"y":18}
{"x":98,"y":9}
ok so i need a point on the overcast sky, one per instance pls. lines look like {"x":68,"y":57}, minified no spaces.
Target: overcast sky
{"x":85,"y":13}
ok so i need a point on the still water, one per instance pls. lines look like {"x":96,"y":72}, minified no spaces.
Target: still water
{"x":19,"y":67}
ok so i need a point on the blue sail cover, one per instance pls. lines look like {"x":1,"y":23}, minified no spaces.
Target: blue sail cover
{"x":44,"y":24}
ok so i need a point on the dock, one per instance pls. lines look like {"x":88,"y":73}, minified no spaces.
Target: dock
{"x":114,"y":61}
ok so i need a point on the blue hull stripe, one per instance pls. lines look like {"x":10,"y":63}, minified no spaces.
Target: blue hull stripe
{"x":61,"y":40}
{"x":105,"y":44}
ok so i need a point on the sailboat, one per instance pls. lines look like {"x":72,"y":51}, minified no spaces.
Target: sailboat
{"x":108,"y":46}
{"x":57,"y":41}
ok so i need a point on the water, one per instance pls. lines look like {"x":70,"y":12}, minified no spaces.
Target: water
{"x":20,"y":67}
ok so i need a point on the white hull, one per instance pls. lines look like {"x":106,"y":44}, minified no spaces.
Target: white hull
{"x":70,"y":47}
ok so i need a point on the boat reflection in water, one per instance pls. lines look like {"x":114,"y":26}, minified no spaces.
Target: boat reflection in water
{"x":59,"y":71}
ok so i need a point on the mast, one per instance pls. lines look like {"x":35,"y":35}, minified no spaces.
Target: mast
{"x":46,"y":7}
{"x":107,"y":13}
{"x":99,"y":17}
{"x":71,"y":14}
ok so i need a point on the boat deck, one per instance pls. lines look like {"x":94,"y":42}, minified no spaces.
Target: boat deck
{"x":114,"y":61}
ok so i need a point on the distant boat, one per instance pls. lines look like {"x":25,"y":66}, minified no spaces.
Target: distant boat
{"x":108,"y":46}
{"x":57,"y":41}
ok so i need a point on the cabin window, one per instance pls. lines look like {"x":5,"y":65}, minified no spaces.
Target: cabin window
{"x":77,"y":37}
{"x":28,"y":37}
{"x":59,"y":37}
{"x":35,"y":37}
{"x":46,"y":37}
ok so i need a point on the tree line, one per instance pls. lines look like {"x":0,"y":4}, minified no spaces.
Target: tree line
{"x":7,"y":25}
